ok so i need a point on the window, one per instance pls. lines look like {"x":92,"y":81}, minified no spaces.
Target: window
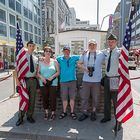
{"x":2,"y":1}
{"x":39,"y":32}
{"x":25,"y":26}
{"x":12,"y":20}
{"x":25,"y":10}
{"x":26,"y":36}
{"x":12,"y":4}
{"x":12,"y":32}
{"x":47,"y":13}
{"x":30,"y":28}
{"x":3,"y":30}
{"x":39,"y":21}
{"x":39,"y":40}
{"x":18,"y":7}
{"x":35,"y":30}
{"x":35,"y":18}
{"x":20,"y":23}
{"x":30,"y":15}
{"x":2,"y":15}
{"x":36,"y":39}
{"x":30,"y":36}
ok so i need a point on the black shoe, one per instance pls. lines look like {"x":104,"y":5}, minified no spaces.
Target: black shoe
{"x":19,"y":122}
{"x":30,"y":119}
{"x":93,"y":116}
{"x":83,"y":117}
{"x":104,"y":120}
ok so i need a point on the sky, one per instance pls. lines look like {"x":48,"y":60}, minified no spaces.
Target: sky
{"x":87,"y":10}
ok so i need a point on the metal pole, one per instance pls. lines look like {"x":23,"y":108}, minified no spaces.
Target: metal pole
{"x":122,"y":22}
{"x":103,"y":20}
{"x":97,"y":12}
{"x":56,"y":27}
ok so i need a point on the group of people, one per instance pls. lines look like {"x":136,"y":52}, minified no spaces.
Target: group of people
{"x":48,"y":69}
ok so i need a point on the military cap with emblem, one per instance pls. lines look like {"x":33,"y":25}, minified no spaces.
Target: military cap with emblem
{"x":112,"y":37}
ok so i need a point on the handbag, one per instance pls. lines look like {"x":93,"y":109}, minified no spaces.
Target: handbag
{"x":102,"y":81}
{"x":114,"y":83}
{"x":48,"y":82}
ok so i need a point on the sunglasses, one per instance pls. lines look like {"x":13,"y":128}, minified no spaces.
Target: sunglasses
{"x":48,"y":51}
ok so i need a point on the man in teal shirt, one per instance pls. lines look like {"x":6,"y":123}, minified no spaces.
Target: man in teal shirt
{"x":68,"y":79}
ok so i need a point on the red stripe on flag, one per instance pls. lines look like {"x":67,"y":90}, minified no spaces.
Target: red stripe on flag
{"x":123,"y":97}
{"x":129,"y":103}
{"x":127,"y":117}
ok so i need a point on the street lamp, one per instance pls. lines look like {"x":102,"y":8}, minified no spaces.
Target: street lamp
{"x":104,"y":18}
{"x":56,"y":27}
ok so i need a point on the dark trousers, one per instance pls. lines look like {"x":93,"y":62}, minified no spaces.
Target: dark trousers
{"x":108,"y":97}
{"x":31,"y":85}
{"x":49,"y":97}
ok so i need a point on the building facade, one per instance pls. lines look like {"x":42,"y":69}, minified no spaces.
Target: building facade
{"x":48,"y":18}
{"x":29,"y":18}
{"x":136,"y":27}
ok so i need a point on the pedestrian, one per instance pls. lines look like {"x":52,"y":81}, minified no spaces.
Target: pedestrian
{"x":48,"y":73}
{"x":68,"y":64}
{"x":31,"y":84}
{"x":112,"y":55}
{"x":91,"y":63}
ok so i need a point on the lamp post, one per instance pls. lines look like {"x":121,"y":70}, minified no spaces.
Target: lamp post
{"x":56,"y":27}
{"x":104,"y":19}
{"x":97,"y":12}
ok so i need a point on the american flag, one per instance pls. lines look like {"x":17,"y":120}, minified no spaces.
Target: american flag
{"x":21,"y":68}
{"x":124,"y":106}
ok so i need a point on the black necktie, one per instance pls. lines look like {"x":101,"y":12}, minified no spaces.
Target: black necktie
{"x":109,"y":62}
{"x":31,"y":64}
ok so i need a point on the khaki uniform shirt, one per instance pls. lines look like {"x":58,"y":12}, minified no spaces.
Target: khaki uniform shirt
{"x":35,"y":61}
{"x":114,"y":61}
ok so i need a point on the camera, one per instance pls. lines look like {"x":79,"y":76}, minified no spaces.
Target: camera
{"x":91,"y":70}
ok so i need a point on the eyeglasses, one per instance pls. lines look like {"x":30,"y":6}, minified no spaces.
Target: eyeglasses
{"x":48,"y":51}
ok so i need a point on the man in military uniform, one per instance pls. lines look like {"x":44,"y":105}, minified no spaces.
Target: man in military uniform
{"x":112,"y":55}
{"x":31,"y":84}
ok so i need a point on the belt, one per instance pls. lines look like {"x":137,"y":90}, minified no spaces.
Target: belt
{"x":30,"y":78}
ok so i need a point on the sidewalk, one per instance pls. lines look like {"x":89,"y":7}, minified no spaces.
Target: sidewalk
{"x":5,"y":73}
{"x":66,"y":128}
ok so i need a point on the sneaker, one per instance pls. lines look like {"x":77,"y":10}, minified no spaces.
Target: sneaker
{"x":83,"y":117}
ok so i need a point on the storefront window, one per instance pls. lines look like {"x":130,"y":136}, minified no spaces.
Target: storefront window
{"x":77,"y":47}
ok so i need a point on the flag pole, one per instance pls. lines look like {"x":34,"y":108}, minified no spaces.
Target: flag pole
{"x":116,"y":128}
{"x":128,"y":114}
